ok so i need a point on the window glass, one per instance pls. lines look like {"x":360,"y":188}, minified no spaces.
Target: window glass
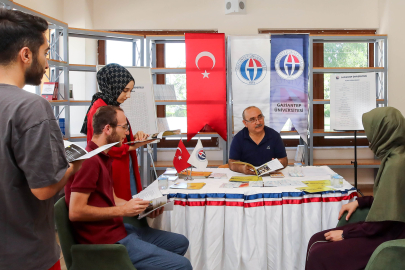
{"x":175,"y":55}
{"x":176,"y":116}
{"x":119,"y":52}
{"x":341,"y":55}
{"x":345,"y":55}
{"x":179,"y":82}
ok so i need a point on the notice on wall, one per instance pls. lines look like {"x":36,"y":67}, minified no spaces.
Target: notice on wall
{"x":351,"y":95}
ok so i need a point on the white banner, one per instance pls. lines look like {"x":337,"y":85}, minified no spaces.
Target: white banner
{"x":250,"y":71}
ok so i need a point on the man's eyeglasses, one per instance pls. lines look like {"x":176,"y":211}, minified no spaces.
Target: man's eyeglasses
{"x":125,"y":127}
{"x":259,"y":118}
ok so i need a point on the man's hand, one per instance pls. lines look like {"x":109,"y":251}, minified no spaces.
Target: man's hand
{"x":156,"y":213}
{"x":137,"y":145}
{"x":76,"y":165}
{"x":334,"y":235}
{"x":350,"y":208}
{"x":140,"y":136}
{"x":248,"y":170}
{"x":134,"y":207}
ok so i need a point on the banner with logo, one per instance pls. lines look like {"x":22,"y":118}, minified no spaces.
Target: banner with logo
{"x":250,"y":70}
{"x":198,"y":158}
{"x":289,"y":82}
{"x":206,"y":83}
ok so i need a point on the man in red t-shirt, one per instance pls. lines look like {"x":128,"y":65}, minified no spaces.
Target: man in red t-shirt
{"x":96,"y":213}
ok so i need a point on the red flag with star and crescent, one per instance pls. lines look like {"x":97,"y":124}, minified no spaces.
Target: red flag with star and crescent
{"x":206,"y":83}
{"x":181,"y":157}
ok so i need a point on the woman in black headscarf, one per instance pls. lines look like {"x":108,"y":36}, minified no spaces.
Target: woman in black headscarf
{"x":115,"y":84}
{"x":350,"y":246}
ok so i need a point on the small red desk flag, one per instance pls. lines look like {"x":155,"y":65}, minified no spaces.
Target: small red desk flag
{"x":181,"y":157}
{"x":206,"y":83}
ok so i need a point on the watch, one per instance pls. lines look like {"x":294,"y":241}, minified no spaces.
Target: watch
{"x":342,"y":237}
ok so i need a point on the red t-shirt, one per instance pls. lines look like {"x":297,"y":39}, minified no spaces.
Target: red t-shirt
{"x":95,"y":178}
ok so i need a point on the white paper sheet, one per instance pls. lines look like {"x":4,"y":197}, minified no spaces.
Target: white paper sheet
{"x":351,"y":95}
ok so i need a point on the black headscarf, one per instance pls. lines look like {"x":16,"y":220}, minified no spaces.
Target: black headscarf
{"x":112,"y":80}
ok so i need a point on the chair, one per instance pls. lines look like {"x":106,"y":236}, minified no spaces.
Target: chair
{"x":90,"y":257}
{"x":388,"y":255}
{"x":223,"y":166}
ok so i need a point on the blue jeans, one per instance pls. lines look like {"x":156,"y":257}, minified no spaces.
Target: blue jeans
{"x":152,"y":249}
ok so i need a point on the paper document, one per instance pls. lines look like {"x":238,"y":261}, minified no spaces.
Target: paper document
{"x":75,"y":152}
{"x":149,"y":193}
{"x":351,"y":95}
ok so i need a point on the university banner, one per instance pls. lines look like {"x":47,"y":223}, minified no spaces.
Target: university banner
{"x":206,"y":83}
{"x":250,"y":70}
{"x":289,"y":82}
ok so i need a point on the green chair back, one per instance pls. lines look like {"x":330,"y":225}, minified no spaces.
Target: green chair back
{"x":64,"y":230}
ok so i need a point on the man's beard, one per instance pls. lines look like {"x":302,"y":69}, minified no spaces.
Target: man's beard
{"x":114,"y":137}
{"x":34,"y":74}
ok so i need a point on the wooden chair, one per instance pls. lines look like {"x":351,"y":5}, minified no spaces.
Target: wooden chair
{"x":223,"y":166}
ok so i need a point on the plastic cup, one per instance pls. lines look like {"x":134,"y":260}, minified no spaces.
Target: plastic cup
{"x":163,"y":182}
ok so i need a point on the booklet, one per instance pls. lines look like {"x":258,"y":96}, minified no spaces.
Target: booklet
{"x":155,"y":198}
{"x":267,"y":167}
{"x":157,"y":136}
{"x":245,"y":178}
{"x":184,"y":185}
{"x":75,"y":152}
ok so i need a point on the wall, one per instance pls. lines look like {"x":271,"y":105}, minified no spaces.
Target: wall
{"x":53,"y":8}
{"x":391,"y":23}
{"x":210,"y":14}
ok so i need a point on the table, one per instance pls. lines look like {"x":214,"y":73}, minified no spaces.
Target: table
{"x":252,"y":228}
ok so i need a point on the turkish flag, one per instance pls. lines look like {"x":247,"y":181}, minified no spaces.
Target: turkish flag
{"x":206,"y":83}
{"x":181,"y":157}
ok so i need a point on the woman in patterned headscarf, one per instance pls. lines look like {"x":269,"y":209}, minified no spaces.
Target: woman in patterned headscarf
{"x":115,"y":84}
{"x":350,"y":246}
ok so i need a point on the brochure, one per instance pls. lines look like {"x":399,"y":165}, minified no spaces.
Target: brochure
{"x":155,"y":198}
{"x":184,"y":185}
{"x":157,"y":136}
{"x":75,"y":152}
{"x":267,"y":167}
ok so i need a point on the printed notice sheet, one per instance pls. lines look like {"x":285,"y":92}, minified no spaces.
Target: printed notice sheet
{"x":351,"y":95}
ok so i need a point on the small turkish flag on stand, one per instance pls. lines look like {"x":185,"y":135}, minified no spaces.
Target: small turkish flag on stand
{"x":181,"y":157}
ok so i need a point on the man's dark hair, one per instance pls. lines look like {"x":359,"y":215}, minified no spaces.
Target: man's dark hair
{"x":19,"y":30}
{"x":105,"y":115}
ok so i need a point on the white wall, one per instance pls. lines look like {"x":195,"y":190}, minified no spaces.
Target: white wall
{"x":210,"y":14}
{"x":53,"y":8}
{"x":391,"y":23}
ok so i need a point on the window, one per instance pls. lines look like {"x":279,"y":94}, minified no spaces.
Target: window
{"x":119,"y":52}
{"x":334,"y":55}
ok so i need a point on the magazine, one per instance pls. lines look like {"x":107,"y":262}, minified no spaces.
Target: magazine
{"x":266,"y":168}
{"x":75,"y":152}
{"x":155,"y":198}
{"x":157,"y":136}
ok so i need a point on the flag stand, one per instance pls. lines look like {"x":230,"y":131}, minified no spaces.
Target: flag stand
{"x":189,"y":177}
